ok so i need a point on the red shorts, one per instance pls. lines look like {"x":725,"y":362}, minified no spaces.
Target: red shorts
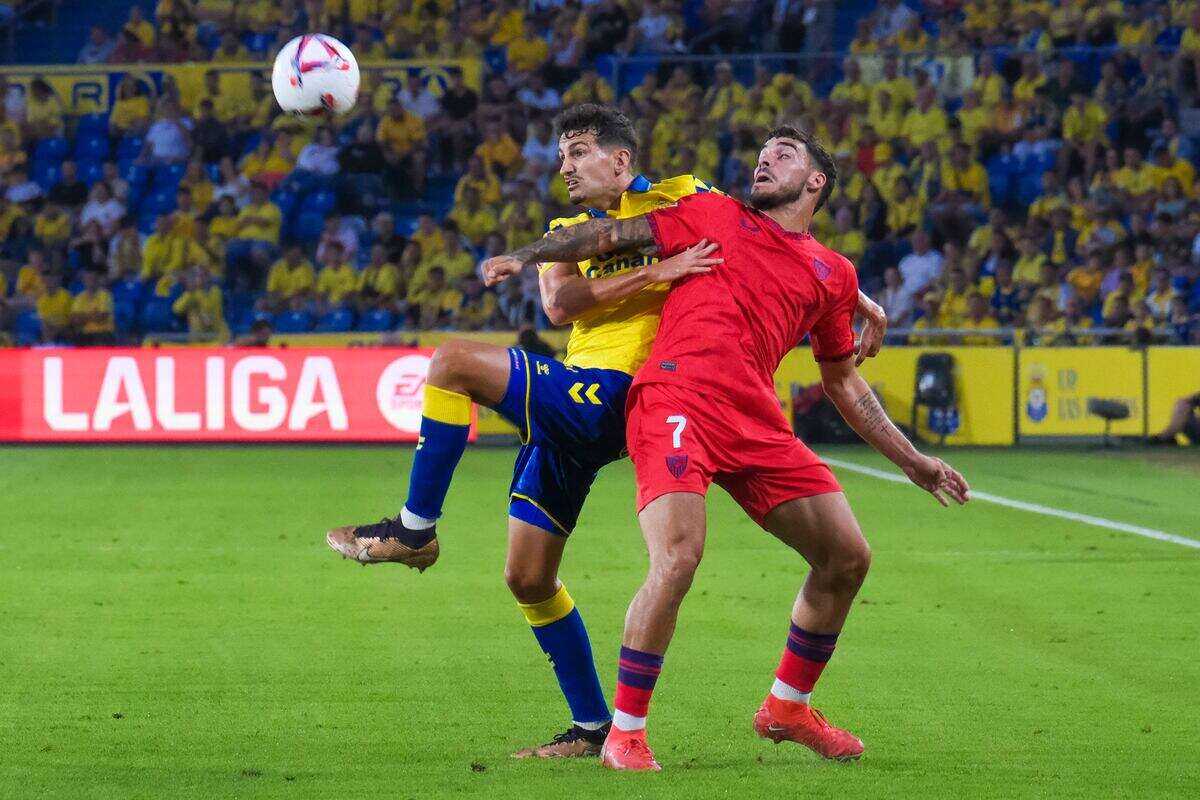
{"x":681,"y":441}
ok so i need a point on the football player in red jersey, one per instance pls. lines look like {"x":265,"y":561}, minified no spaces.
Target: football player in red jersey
{"x":703,"y":409}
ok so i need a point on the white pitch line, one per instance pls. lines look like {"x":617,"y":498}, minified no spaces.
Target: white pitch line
{"x":1049,"y":511}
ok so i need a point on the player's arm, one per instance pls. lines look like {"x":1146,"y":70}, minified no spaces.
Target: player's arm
{"x":567,"y":295}
{"x":858,"y":405}
{"x":574,"y":243}
{"x":874,"y":327}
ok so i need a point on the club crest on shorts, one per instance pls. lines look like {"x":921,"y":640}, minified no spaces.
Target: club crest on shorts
{"x":677,"y":464}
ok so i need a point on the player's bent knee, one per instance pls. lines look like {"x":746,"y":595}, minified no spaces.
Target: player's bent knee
{"x":449,"y":366}
{"x":530,"y":584}
{"x":848,"y":569}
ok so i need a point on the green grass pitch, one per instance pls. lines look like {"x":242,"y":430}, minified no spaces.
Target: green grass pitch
{"x":173,"y":625}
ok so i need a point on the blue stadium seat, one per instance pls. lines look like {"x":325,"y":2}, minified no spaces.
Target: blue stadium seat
{"x":90,"y":171}
{"x":338,"y":321}
{"x":214,"y":172}
{"x":125,"y":316}
{"x":1001,"y":179}
{"x":145,"y":223}
{"x":128,"y":290}
{"x":257,"y":42}
{"x":293,"y":322}
{"x":136,"y":174}
{"x":378,"y":320}
{"x":320,"y":201}
{"x":93,"y":123}
{"x":285,"y":200}
{"x":168,"y":176}
{"x":157,"y":316}
{"x":29,"y":328}
{"x":161,"y":201}
{"x":130,"y":147}
{"x":46,"y":174}
{"x":251,"y":141}
{"x":91,"y":146}
{"x":53,"y":149}
{"x":308,"y":226}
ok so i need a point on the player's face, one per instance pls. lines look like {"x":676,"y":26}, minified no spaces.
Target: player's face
{"x":589,"y":170}
{"x":783,"y":173}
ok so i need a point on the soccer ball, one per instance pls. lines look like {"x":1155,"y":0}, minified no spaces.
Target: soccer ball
{"x":315,"y":74}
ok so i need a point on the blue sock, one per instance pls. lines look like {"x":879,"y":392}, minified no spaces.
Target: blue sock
{"x":560,"y":631}
{"x":445,"y":423}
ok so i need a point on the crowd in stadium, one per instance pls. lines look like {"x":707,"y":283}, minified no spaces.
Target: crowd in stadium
{"x":1002,"y":164}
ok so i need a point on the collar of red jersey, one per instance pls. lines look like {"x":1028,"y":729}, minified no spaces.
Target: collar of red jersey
{"x":770,"y":222}
{"x":639,"y":184}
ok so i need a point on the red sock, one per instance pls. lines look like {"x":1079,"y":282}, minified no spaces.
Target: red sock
{"x":637,"y":672}
{"x":805,"y":658}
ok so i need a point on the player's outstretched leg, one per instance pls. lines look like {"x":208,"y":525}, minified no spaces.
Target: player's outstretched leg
{"x":532,"y":575}
{"x":674,"y":528}
{"x":461,"y":372}
{"x":823,"y":530}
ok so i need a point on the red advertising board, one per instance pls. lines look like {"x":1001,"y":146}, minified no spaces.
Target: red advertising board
{"x":187,"y":394}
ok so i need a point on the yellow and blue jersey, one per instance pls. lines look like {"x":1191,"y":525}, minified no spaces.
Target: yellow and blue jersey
{"x":619,"y":336}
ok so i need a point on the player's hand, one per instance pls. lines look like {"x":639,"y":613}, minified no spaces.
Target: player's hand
{"x":498,"y":268}
{"x":939,"y":479}
{"x":693,"y":261}
{"x":874,"y":327}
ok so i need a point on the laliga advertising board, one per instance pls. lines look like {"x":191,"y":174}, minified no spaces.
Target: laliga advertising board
{"x":133,"y":395}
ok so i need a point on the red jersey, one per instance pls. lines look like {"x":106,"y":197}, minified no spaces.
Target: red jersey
{"x":724,"y":333}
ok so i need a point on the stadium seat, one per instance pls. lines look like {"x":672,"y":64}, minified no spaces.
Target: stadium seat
{"x":157,"y":316}
{"x":161,"y":201}
{"x":46,"y":174}
{"x":29,"y":328}
{"x":378,"y":320}
{"x":130,"y":147}
{"x":125,"y":316}
{"x":293,"y":322}
{"x":338,"y":321}
{"x":258,"y":41}
{"x":136,"y":174}
{"x":285,"y":200}
{"x":320,"y":202}
{"x":53,"y":149}
{"x":90,"y":171}
{"x":93,"y":124}
{"x":251,"y":141}
{"x":308,"y":226}
{"x":128,"y":290}
{"x":91,"y":146}
{"x":167,"y":176}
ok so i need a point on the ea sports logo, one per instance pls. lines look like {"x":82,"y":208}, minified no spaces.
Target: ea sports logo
{"x":398,"y":392}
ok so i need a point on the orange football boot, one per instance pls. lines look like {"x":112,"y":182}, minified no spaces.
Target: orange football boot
{"x":628,"y":750}
{"x":780,"y":720}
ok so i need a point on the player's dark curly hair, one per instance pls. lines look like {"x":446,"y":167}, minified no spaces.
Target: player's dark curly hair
{"x":816,"y":152}
{"x":610,"y":127}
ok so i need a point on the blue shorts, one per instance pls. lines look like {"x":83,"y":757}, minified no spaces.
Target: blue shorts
{"x":572,"y":423}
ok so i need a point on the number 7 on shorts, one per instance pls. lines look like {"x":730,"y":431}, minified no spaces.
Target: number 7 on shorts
{"x":680,"y":422}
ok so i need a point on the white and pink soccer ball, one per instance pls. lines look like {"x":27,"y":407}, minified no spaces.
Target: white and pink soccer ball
{"x":315,"y":74}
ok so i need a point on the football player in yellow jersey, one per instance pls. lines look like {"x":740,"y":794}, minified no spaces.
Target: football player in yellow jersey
{"x":570,"y":413}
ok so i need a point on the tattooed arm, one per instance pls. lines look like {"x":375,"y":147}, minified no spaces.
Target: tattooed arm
{"x":858,"y":405}
{"x":596,"y":237}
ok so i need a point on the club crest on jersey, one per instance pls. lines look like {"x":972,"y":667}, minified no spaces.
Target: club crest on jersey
{"x":677,"y":464}
{"x":821,"y":268}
